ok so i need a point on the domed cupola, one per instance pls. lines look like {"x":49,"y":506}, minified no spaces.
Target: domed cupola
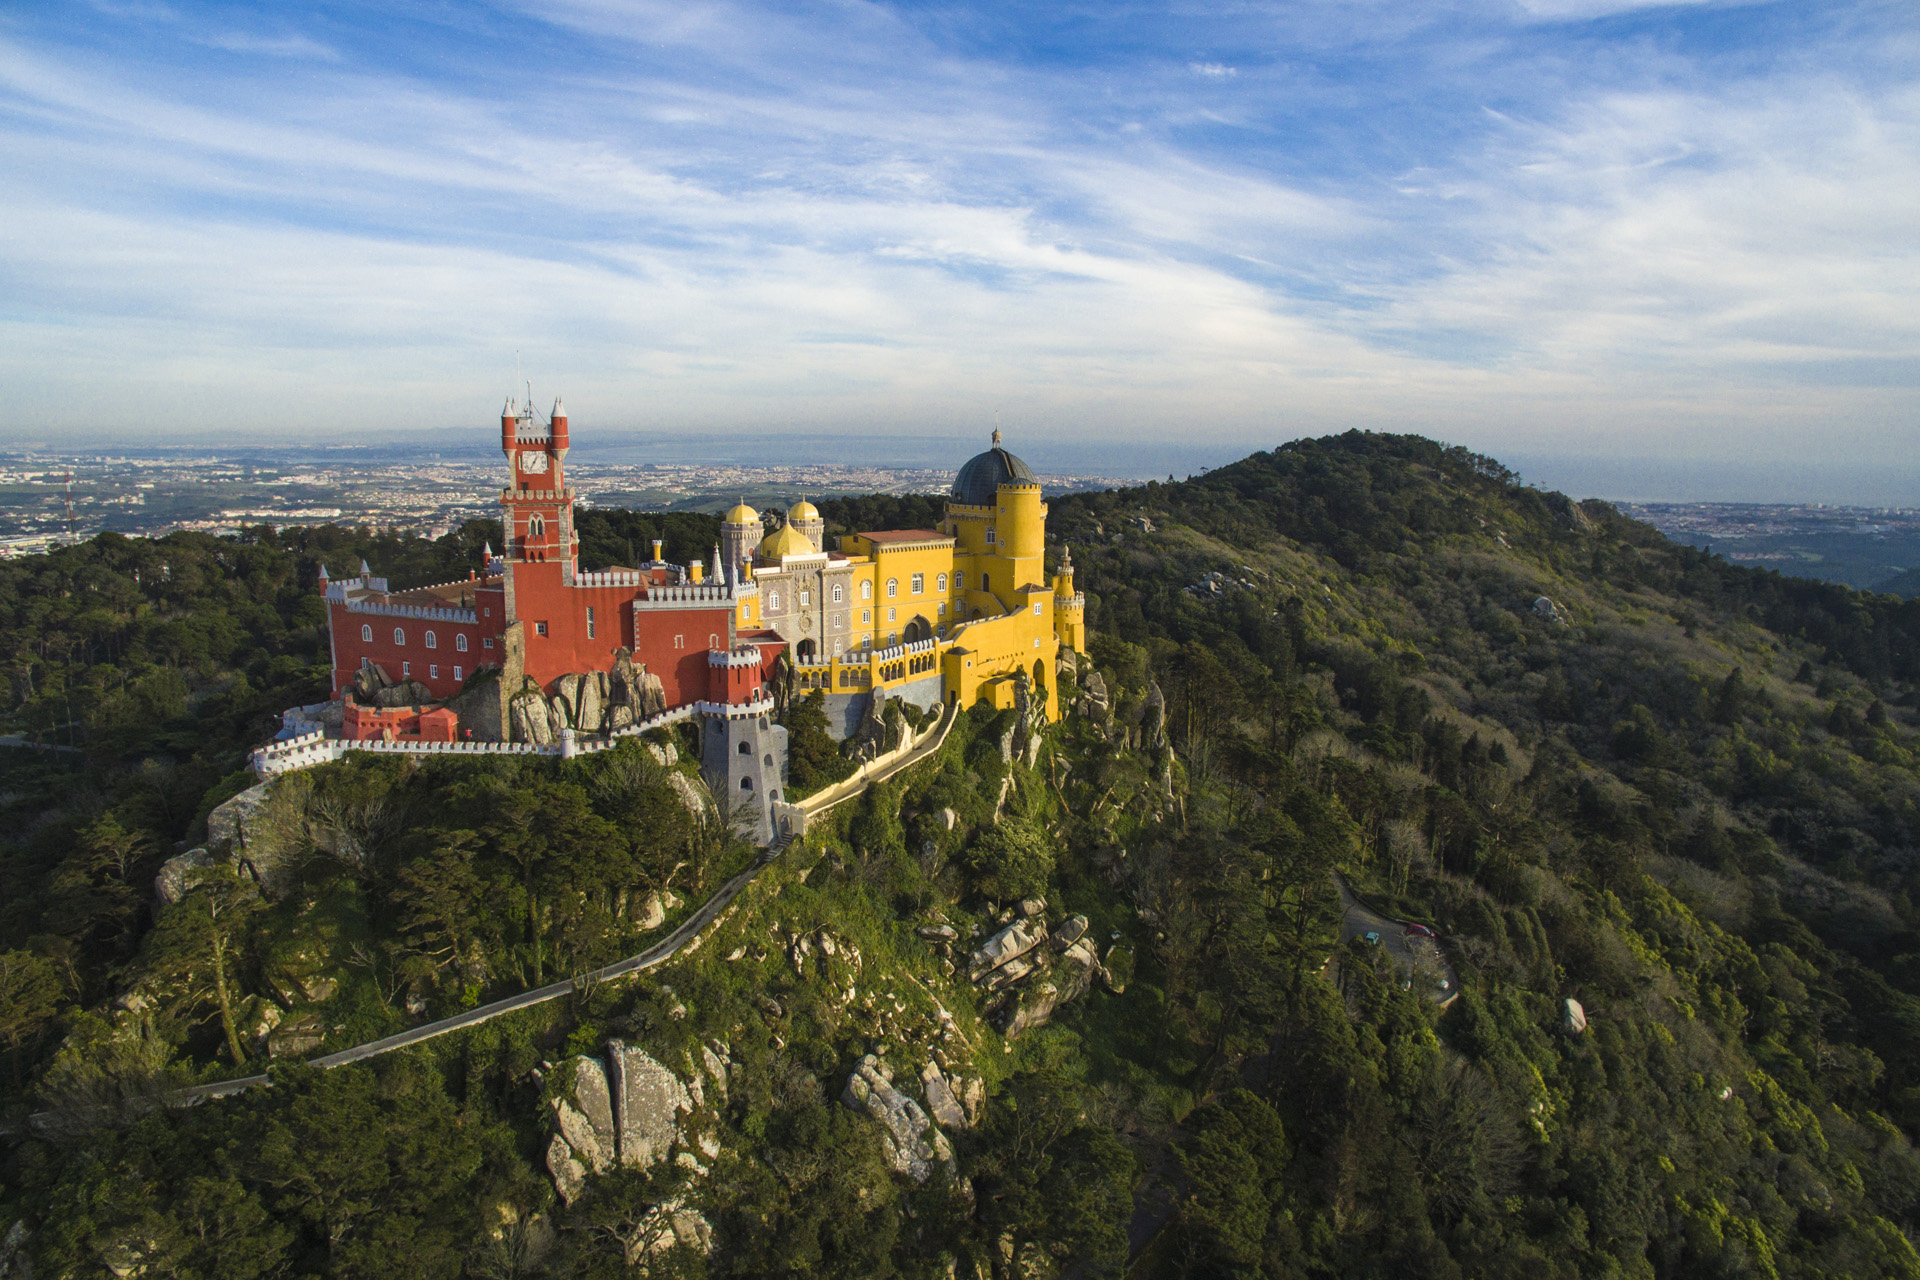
{"x":979,"y":481}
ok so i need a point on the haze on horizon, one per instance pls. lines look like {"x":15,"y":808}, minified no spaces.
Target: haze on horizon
{"x":1657,"y":251}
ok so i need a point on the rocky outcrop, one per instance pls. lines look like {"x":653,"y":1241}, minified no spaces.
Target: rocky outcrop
{"x":297,"y":1036}
{"x":650,"y":1101}
{"x":1031,"y":981}
{"x":1006,"y":946}
{"x":408,"y":693}
{"x":1574,"y":1020}
{"x":689,"y":793}
{"x":1094,"y":704}
{"x":869,"y":738}
{"x":180,"y":874}
{"x":913,"y":1143}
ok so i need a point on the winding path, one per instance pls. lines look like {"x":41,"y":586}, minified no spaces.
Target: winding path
{"x":657,"y":954}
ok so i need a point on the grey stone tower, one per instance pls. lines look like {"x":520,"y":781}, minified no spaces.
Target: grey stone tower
{"x":743,"y":753}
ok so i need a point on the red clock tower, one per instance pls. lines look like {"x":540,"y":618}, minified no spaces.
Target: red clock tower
{"x":539,"y":506}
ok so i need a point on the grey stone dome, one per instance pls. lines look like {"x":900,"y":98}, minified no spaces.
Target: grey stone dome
{"x":978,"y":481}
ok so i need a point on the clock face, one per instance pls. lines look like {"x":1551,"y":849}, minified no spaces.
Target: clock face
{"x":533,"y":463}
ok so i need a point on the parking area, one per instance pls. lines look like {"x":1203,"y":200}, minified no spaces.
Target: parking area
{"x":1419,"y":959}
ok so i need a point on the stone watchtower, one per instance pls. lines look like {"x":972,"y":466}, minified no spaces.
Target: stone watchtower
{"x":743,"y":753}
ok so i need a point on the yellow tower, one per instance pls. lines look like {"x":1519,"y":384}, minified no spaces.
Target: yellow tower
{"x":1069,"y":607}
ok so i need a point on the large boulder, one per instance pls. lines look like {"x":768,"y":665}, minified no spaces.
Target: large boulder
{"x":940,"y":1097}
{"x":648,"y":1103}
{"x":589,"y":713}
{"x":585,"y":1117}
{"x":913,"y":1144}
{"x":527,"y":716}
{"x":566,"y":696}
{"x":1575,"y":1018}
{"x":652,"y":694}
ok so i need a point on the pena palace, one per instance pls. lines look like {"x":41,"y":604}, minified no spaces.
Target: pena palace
{"x":530,"y":644}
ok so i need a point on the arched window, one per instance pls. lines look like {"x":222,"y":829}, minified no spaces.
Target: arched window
{"x":399,"y":636}
{"x":746,"y":784}
{"x":746,"y":749}
{"x":768,"y":760}
{"x":866,"y":591}
{"x":983,"y":583}
{"x":366,"y":633}
{"x":460,"y":641}
{"x":536,"y":527}
{"x":433,"y":640}
{"x":942,"y":582}
{"x":838,"y":591}
{"x":893,"y":587}
{"x":892,"y":615}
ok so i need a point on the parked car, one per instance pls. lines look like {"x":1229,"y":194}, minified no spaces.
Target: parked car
{"x":1373,"y":939}
{"x":1421,"y":931}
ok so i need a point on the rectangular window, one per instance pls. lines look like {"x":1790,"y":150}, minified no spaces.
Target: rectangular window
{"x":806,"y":598}
{"x":943,"y":608}
{"x":989,"y":535}
{"x":539,"y":628}
{"x":433,"y":671}
{"x":1036,"y":608}
{"x":919,"y":583}
{"x":679,"y":642}
{"x":866,"y":615}
{"x":891,"y":615}
{"x":457,"y":675}
{"x":406,"y":669}
{"x":589,"y":622}
{"x":486,"y":642}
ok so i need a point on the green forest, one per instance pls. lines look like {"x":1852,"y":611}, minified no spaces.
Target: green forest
{"x":1367,"y":673}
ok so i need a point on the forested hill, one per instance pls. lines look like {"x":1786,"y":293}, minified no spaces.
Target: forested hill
{"x":1606,"y":769}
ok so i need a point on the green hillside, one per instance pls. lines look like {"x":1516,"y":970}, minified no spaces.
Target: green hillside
{"x":1606,"y":769}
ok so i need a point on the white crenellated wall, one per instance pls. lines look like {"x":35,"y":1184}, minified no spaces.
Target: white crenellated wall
{"x":313,"y":747}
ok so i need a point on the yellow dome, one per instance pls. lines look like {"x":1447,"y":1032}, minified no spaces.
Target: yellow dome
{"x":803,"y":510}
{"x":742,"y":514}
{"x":786,"y":541}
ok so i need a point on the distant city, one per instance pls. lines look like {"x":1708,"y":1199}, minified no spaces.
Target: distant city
{"x":47,"y":499}
{"x":1869,"y":547}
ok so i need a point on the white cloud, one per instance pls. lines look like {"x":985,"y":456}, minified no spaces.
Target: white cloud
{"x":284,"y":46}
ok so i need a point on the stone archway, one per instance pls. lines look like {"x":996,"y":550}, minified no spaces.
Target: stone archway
{"x":804,"y":651}
{"x":917,"y":630}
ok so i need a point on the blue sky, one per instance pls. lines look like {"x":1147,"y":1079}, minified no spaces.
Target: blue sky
{"x":1590,"y":234}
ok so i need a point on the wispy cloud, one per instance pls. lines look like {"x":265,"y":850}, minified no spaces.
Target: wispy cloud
{"x":727,"y":215}
{"x":284,"y":46}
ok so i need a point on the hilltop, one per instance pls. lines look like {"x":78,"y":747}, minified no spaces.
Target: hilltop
{"x":1662,"y":811}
